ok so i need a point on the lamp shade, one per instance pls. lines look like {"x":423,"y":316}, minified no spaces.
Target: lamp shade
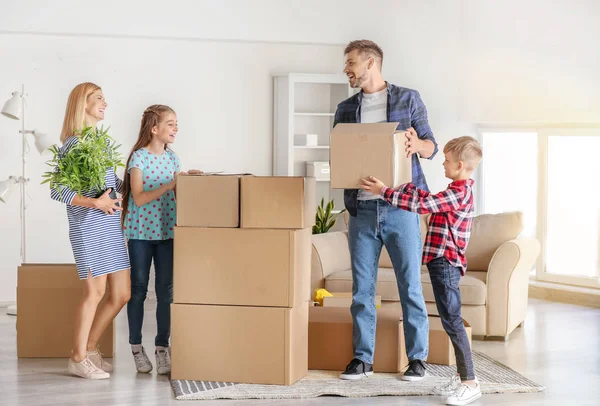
{"x":5,"y":187}
{"x":12,"y":107}
{"x":42,"y":141}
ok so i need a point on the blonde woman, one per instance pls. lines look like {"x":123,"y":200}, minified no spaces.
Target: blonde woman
{"x":97,"y":241}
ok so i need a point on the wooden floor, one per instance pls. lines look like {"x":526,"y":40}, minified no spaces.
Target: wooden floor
{"x":559,"y":347}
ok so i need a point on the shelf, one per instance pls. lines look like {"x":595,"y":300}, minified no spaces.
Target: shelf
{"x":315,"y":114}
{"x":311,"y":147}
{"x":323,"y":180}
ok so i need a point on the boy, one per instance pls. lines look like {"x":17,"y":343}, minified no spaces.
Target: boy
{"x":444,"y":251}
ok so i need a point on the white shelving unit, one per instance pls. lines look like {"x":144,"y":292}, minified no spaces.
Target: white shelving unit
{"x":305,"y":104}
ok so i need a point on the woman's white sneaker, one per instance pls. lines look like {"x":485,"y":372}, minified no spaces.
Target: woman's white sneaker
{"x":96,"y":357}
{"x":448,"y":388}
{"x":464,"y":395}
{"x":87,"y":369}
{"x":142,"y":362}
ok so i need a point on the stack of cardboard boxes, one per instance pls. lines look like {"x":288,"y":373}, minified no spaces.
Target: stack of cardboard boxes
{"x":242,"y":278}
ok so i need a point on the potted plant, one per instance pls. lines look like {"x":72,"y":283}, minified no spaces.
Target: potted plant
{"x":83,"y":167}
{"x":325,"y":217}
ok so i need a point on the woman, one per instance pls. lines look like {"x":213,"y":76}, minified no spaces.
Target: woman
{"x":97,"y":242}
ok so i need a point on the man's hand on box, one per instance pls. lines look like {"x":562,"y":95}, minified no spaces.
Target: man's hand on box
{"x":413,"y":143}
{"x":372,"y":185}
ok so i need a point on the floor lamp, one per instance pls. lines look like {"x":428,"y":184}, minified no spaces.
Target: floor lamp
{"x":14,"y":109}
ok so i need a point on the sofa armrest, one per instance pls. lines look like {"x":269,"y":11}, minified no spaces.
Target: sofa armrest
{"x":330,"y":253}
{"x":508,"y":285}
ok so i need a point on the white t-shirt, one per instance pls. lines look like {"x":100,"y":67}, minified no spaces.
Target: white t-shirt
{"x":373,"y":110}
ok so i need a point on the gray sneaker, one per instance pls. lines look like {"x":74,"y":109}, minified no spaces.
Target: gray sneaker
{"x":163,"y":361}
{"x":142,"y":362}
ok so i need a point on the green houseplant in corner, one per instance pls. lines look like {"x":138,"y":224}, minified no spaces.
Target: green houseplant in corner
{"x":325,"y":217}
{"x":83,"y":167}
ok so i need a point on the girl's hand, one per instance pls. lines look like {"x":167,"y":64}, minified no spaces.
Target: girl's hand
{"x":194,"y":172}
{"x":371,"y":184}
{"x":106,"y":204}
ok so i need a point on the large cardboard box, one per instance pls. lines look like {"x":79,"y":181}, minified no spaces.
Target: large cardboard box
{"x":47,"y":297}
{"x":208,"y":200}
{"x":344,"y":299}
{"x":441,"y":350}
{"x":259,"y":345}
{"x":362,"y":150}
{"x":246,"y":267}
{"x":278,"y":202}
{"x":330,"y":339}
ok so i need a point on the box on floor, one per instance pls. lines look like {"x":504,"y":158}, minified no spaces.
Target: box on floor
{"x":441,"y":350}
{"x":47,"y":298}
{"x":243,"y":344}
{"x":246,"y":267}
{"x":330,"y":339}
{"x":361,"y":150}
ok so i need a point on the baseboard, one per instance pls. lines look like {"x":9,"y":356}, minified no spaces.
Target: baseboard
{"x":556,"y":292}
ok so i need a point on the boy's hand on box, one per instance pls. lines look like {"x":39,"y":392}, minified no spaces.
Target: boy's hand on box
{"x":372,"y":185}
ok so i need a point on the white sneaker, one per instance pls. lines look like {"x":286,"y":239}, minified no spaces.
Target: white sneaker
{"x":448,"y":388}
{"x":163,"y":361}
{"x":464,"y":395}
{"x":142,"y":362}
{"x":87,"y":369}
{"x":96,"y":357}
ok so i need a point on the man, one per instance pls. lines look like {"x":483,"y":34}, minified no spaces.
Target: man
{"x":374,"y":222}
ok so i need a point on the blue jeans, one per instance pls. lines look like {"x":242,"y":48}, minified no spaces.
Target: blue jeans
{"x":141,"y":254}
{"x":378,"y":223}
{"x":444,"y":280}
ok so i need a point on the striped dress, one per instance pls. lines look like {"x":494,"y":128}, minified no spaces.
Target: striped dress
{"x":96,"y":238}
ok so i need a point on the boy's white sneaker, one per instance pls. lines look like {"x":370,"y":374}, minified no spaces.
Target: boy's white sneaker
{"x":142,"y":362}
{"x":464,"y":395}
{"x":448,"y":388}
{"x":163,"y":360}
{"x":96,"y":357}
{"x":87,"y":369}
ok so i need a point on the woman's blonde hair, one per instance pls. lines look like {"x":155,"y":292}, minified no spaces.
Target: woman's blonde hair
{"x":75,"y":112}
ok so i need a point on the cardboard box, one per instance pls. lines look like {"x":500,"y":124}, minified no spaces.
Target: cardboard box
{"x":362,"y":150}
{"x":208,"y":201}
{"x":259,"y":345}
{"x":330,"y":339}
{"x":344,"y":300}
{"x":441,"y":350}
{"x":246,"y":267}
{"x":278,"y":202}
{"x":47,"y":297}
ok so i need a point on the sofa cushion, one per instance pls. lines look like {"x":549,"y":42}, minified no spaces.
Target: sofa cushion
{"x":472,"y":285}
{"x":490,"y":231}
{"x":472,"y":288}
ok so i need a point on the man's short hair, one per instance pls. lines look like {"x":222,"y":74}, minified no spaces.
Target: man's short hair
{"x":366,"y":48}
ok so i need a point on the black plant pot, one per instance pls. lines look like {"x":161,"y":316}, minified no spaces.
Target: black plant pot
{"x":112,"y":194}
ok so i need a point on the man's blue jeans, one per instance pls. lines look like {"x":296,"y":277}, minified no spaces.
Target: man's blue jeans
{"x":377,"y":223}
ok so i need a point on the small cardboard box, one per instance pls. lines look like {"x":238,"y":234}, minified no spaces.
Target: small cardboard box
{"x":361,"y":150}
{"x":208,"y":200}
{"x":278,"y":202}
{"x":47,"y":298}
{"x":246,"y":267}
{"x":258,"y":345}
{"x":441,"y":350}
{"x":330,"y":339}
{"x":318,"y":169}
{"x":344,"y":300}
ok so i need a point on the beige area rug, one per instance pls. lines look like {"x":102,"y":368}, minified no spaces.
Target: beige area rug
{"x":494,"y":377}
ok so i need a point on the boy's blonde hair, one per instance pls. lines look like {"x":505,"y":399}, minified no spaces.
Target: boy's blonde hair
{"x":466,"y":149}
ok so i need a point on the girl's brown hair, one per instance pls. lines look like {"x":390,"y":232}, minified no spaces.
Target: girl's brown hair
{"x":152,"y":116}
{"x":75,"y":112}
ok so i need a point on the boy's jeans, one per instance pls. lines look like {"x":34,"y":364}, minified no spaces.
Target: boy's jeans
{"x":444,"y":280}
{"x":141,"y":253}
{"x":378,"y":223}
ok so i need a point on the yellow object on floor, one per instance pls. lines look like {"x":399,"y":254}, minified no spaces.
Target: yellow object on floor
{"x":320,"y":294}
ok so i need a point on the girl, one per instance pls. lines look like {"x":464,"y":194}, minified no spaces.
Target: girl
{"x":97,"y":242}
{"x":149,"y":219}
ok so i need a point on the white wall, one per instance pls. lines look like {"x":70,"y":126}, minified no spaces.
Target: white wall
{"x":472,"y":61}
